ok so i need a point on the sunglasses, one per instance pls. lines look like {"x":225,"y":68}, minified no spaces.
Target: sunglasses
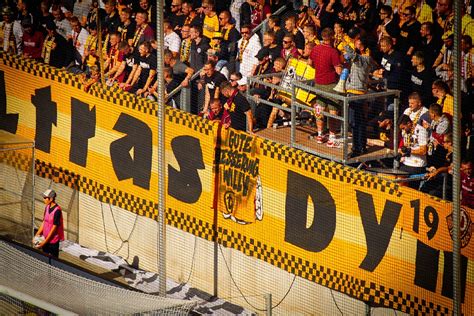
{"x":287,"y":42}
{"x":244,"y":33}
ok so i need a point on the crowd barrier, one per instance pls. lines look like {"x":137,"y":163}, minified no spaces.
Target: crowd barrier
{"x":299,"y":95}
{"x":342,"y":228}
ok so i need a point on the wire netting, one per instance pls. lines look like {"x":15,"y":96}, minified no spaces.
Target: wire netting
{"x":329,"y":172}
{"x":78,"y":294}
{"x":13,"y":306}
{"x":16,"y":189}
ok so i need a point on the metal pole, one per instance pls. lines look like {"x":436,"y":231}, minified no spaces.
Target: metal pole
{"x":345,"y":130}
{"x":293,"y":116}
{"x":161,"y":149}
{"x":268,"y":304}
{"x":396,"y":163}
{"x":185,"y":99}
{"x":100,"y":47}
{"x":457,"y":160}
{"x":445,"y":183}
{"x":33,"y":191}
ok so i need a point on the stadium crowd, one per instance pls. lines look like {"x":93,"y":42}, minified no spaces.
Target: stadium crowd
{"x":409,"y":43}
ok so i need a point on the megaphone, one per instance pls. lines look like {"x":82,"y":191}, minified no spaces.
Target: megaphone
{"x":341,"y":85}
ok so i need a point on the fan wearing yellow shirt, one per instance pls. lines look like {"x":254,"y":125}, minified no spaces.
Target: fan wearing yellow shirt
{"x":424,"y":13}
{"x":211,"y":21}
{"x":440,"y":90}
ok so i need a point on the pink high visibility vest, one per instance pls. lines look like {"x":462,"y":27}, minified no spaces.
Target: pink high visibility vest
{"x":49,"y":222}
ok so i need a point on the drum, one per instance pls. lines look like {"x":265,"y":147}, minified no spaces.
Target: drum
{"x":391,"y":174}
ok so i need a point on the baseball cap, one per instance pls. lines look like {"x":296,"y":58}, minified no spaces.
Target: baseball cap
{"x":242,"y":82}
{"x":49,"y":194}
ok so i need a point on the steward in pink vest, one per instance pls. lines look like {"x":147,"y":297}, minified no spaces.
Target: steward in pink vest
{"x":52,"y":228}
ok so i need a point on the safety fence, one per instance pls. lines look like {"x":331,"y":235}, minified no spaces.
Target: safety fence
{"x":300,"y":100}
{"x":350,"y":231}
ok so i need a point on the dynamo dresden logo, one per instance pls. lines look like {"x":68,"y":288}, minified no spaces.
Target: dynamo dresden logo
{"x":465,"y":226}
{"x":230,"y":203}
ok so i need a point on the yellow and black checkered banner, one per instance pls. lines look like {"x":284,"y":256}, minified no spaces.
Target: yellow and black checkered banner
{"x":348,"y":230}
{"x":104,"y":143}
{"x":336,"y":226}
{"x":190,"y":153}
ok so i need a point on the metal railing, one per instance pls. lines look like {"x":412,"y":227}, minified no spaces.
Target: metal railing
{"x":297,"y":106}
{"x":185,"y":96}
{"x":262,"y":27}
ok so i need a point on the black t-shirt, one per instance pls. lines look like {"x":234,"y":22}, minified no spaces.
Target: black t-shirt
{"x":393,"y":29}
{"x":231,"y":37}
{"x":299,"y":40}
{"x":177,"y":20}
{"x":213,"y":82}
{"x":245,"y":14}
{"x":279,"y":35}
{"x":274,"y":53}
{"x":129,"y":62}
{"x":421,"y":82}
{"x":127,"y":31}
{"x":112,"y":22}
{"x":237,"y":109}
{"x":62,"y":55}
{"x":430,"y":50}
{"x":409,"y":36}
{"x":395,"y":73}
{"x":146,"y":64}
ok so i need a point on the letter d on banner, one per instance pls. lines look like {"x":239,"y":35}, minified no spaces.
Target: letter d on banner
{"x":319,"y":235}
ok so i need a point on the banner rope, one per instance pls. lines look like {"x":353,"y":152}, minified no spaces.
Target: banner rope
{"x":242,"y":294}
{"x":123,"y":241}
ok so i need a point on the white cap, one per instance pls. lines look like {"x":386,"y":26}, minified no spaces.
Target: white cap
{"x":242,"y":82}
{"x":49,"y":194}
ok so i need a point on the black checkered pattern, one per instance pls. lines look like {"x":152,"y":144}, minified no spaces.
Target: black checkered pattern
{"x":119,"y":198}
{"x":16,"y":159}
{"x":326,"y":168}
{"x":97,"y":190}
{"x":196,"y":123}
{"x":57,"y":174}
{"x":190,"y":224}
{"x":110,"y":94}
{"x":377,"y":295}
{"x":40,"y":70}
{"x":119,"y":97}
